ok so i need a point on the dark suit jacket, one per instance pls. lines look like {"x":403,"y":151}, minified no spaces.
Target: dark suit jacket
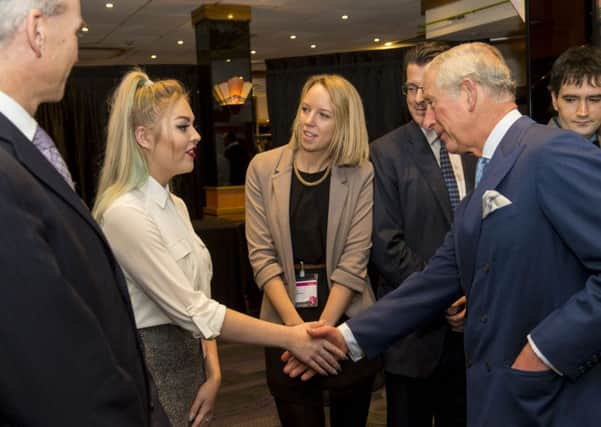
{"x":412,"y":214}
{"x":70,"y":351}
{"x":531,"y":267}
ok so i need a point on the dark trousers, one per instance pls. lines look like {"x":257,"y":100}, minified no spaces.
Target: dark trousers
{"x":348,"y":410}
{"x":303,"y":403}
{"x":414,"y":402}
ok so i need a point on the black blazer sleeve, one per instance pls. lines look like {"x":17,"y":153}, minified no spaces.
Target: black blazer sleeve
{"x":57,"y":368}
{"x":68,"y":344}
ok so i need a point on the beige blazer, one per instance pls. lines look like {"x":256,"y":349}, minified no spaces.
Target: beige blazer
{"x":268,"y":182}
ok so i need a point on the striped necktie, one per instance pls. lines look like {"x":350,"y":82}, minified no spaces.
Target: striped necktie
{"x":449,"y":176}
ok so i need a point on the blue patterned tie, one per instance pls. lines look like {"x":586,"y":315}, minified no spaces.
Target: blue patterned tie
{"x":44,"y":143}
{"x":482,"y":162}
{"x":448,"y":176}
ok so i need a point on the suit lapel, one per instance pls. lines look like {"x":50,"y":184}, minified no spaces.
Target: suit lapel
{"x":280,"y":213}
{"x":32,"y":160}
{"x":468,"y":161}
{"x":426,"y":162}
{"x":507,"y":153}
{"x":338,"y":193}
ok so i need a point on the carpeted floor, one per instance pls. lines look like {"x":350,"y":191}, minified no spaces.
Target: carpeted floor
{"x":244,"y":399}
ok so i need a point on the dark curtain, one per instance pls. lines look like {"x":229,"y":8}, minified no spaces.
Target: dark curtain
{"x":78,"y":126}
{"x":377,"y":76}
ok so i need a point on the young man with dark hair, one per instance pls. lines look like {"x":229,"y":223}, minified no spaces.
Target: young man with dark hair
{"x":575,"y":86}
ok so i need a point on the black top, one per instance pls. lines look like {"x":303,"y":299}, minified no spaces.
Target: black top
{"x":308,"y":230}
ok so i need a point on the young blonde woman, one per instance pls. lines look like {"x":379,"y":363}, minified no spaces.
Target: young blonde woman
{"x":151,"y":138}
{"x":308,"y":222}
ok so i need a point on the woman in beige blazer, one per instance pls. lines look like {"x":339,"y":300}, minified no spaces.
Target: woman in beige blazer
{"x":308,"y":226}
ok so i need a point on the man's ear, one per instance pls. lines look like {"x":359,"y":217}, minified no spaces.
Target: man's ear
{"x":142,"y":138}
{"x":471,"y":93}
{"x":554,"y":101}
{"x":35,"y":29}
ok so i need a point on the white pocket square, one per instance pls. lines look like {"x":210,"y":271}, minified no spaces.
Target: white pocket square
{"x":493,"y":200}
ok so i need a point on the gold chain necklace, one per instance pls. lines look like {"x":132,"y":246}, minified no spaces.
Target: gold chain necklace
{"x":310,"y":183}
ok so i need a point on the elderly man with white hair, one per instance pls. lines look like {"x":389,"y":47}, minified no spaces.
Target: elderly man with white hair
{"x":525,"y":248}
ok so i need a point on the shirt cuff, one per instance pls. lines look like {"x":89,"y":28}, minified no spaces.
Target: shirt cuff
{"x":542,"y":356}
{"x":354,"y":350}
{"x":210,"y":321}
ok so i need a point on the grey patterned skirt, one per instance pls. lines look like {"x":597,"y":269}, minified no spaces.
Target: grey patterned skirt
{"x":176,"y":363}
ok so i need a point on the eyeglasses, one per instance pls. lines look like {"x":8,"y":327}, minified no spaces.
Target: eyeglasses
{"x":411,"y":89}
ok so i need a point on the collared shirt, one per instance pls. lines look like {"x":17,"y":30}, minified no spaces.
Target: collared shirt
{"x":455,"y":160}
{"x":498,"y":132}
{"x":18,"y":116}
{"x":167,"y":267}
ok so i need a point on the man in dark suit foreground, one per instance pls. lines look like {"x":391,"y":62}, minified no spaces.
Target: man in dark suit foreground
{"x":70,"y":352}
{"x":525,"y":248}
{"x":417,"y":187}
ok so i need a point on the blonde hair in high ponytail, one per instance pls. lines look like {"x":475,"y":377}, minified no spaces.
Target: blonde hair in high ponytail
{"x":137,"y":101}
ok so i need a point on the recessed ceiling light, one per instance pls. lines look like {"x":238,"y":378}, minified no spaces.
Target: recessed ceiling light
{"x":85,"y":29}
{"x":292,"y":36}
{"x":313,"y":46}
{"x":253,"y":52}
{"x":228,"y":60}
{"x":377,"y":40}
{"x":388,"y":44}
{"x":109,"y":5}
{"x":180,"y":42}
{"x":344,"y":17}
{"x":230,"y":16}
{"x":153,"y":57}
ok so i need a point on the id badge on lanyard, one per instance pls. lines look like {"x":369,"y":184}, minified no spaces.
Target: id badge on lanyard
{"x":306,"y":289}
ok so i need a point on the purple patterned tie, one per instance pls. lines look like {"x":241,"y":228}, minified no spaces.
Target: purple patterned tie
{"x":44,"y":143}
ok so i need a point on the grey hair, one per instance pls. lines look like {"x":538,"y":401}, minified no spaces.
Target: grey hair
{"x":14,"y":11}
{"x":479,"y":62}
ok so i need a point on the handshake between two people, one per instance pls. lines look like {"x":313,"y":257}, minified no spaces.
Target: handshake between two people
{"x":316,"y":348}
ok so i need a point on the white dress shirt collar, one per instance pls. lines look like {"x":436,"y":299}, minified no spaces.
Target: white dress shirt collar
{"x":498,"y":132}
{"x":430,"y":135}
{"x":155,"y":191}
{"x":18,"y":116}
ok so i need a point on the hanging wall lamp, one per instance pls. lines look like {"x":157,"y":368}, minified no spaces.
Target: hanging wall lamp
{"x":232,"y":92}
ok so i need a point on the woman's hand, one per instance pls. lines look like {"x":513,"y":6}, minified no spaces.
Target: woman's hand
{"x":294,"y":367}
{"x":317,"y":353}
{"x":201,"y":412}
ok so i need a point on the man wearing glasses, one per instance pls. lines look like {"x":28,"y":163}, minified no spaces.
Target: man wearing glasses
{"x":418,"y":184}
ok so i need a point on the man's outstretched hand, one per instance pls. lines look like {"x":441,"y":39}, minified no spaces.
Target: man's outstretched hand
{"x":318,"y":354}
{"x":334,"y":344}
